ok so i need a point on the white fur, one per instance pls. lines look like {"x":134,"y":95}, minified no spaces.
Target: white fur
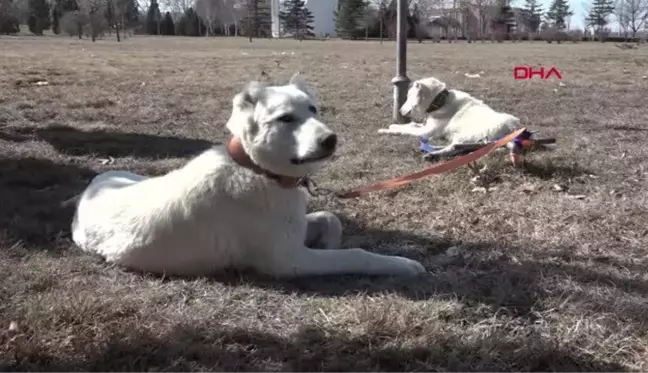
{"x":214,"y":214}
{"x":462,"y":120}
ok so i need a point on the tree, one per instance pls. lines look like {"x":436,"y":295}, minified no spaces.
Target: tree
{"x":632,"y":15}
{"x":502,"y":18}
{"x":168,"y":26}
{"x":58,"y":9}
{"x":532,"y":15}
{"x":178,"y":7}
{"x":109,"y":14}
{"x":56,"y":18}
{"x":153,"y":18}
{"x":39,"y":16}
{"x":208,"y":10}
{"x":72,"y":20}
{"x":598,"y":15}
{"x":369,"y":18}
{"x":91,"y":12}
{"x":190,"y":24}
{"x":258,"y":20}
{"x":296,"y":19}
{"x":9,"y":23}
{"x":557,"y":14}
{"x":349,"y":18}
{"x":121,"y":14}
{"x":129,"y":14}
{"x":484,"y":10}
{"x":382,"y":17}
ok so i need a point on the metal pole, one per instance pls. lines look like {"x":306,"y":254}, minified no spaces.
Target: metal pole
{"x":400,"y":81}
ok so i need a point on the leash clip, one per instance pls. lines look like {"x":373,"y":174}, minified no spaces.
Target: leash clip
{"x":312,"y":187}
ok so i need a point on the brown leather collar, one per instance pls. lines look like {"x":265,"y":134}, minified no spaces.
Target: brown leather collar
{"x":239,"y":155}
{"x":438,"y":101}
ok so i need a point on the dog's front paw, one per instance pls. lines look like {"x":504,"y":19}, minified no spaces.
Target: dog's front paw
{"x":409,"y":267}
{"x":428,"y":156}
{"x":393,"y":128}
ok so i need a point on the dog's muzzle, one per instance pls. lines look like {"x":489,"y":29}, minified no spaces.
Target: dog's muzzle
{"x":325,"y":148}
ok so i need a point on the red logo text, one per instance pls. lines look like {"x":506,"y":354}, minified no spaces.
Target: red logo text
{"x":542,"y":72}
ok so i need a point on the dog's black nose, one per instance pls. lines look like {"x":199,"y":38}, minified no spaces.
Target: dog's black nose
{"x":329,"y":142}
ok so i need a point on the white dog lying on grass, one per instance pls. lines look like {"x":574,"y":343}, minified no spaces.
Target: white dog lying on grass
{"x":236,"y":206}
{"x":451,"y":115}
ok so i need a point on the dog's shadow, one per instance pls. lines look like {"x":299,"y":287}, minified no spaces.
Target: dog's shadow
{"x":480,"y":273}
{"x":210,"y":346}
{"x":72,"y":141}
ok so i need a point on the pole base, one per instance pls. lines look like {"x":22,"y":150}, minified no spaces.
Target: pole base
{"x":401,"y":84}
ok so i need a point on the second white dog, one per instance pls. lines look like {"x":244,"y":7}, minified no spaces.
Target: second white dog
{"x":235,"y":206}
{"x":451,"y":115}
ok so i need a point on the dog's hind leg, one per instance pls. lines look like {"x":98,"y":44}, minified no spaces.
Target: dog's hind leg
{"x":324,"y":230}
{"x":302,"y":261}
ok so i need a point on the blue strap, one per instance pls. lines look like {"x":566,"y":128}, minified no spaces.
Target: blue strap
{"x":426,"y":147}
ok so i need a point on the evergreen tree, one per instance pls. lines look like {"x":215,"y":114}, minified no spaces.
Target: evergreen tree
{"x":129,"y":13}
{"x":168,"y":26}
{"x":9,"y":23}
{"x":258,"y":22}
{"x":190,"y":24}
{"x":56,"y":18}
{"x":533,"y":16}
{"x":67,"y":6}
{"x":349,"y":18}
{"x":558,"y":12}
{"x":296,"y":19}
{"x":153,"y":18}
{"x":109,"y":13}
{"x":61,"y":7}
{"x":39,"y":16}
{"x":598,"y":15}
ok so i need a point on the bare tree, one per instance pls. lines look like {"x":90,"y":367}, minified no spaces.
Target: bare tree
{"x":116,"y":10}
{"x":94,"y":10}
{"x":177,"y":7}
{"x":631,"y":15}
{"x":382,"y":13}
{"x":620,"y":11}
{"x":229,"y":14}
{"x":423,"y":10}
{"x":370,"y":17}
{"x":207,"y":10}
{"x":484,"y":10}
{"x":465,"y":13}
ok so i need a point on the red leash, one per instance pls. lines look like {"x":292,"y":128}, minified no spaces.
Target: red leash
{"x":433,"y":170}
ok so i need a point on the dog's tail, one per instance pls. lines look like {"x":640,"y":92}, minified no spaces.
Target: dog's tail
{"x":73,"y":201}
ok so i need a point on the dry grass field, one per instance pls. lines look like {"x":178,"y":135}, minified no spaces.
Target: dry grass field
{"x":546,"y":271}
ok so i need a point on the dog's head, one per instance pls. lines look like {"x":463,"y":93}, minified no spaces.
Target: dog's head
{"x":421,"y":94}
{"x":279,"y":127}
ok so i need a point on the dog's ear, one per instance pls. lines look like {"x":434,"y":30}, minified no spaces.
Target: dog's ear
{"x":250,"y":95}
{"x":298,"y":81}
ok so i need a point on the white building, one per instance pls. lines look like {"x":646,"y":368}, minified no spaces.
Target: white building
{"x":323,"y":16}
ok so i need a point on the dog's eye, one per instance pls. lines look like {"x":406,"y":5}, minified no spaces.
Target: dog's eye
{"x":312,"y":109}
{"x":288,"y":118}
